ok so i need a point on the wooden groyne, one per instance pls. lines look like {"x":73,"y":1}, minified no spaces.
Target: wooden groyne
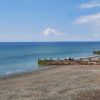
{"x":96,"y":52}
{"x":71,"y":61}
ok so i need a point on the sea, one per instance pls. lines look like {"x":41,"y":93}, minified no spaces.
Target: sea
{"x":18,"y":57}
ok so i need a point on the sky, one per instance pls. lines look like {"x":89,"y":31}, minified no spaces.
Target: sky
{"x":49,"y":20}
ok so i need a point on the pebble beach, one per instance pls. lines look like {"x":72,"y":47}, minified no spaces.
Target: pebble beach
{"x":73,"y":82}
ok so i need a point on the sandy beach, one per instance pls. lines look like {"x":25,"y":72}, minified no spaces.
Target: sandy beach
{"x":72,"y":82}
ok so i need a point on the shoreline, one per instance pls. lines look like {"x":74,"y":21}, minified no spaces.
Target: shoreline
{"x":26,"y":72}
{"x":40,"y":69}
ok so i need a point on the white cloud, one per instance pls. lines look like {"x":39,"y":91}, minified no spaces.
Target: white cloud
{"x":54,"y":35}
{"x":52,"y":32}
{"x":88,"y":19}
{"x":90,"y":23}
{"x":92,"y":4}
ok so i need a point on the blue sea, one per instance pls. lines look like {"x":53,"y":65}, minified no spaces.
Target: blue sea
{"x":23,"y":56}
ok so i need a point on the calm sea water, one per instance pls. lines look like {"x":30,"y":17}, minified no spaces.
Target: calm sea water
{"x":20,"y":57}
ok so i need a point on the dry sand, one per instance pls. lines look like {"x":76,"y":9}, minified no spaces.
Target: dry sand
{"x":74,"y":82}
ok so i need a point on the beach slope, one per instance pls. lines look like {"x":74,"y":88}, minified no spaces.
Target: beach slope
{"x":73,"y":82}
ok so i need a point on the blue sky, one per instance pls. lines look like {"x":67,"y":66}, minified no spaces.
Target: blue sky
{"x":49,"y":20}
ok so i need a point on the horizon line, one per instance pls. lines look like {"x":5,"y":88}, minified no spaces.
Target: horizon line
{"x":41,"y":41}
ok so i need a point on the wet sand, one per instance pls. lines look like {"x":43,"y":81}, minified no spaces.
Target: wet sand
{"x":73,"y":82}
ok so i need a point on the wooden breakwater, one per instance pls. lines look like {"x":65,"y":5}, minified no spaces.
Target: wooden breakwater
{"x":96,"y":52}
{"x":70,"y":61}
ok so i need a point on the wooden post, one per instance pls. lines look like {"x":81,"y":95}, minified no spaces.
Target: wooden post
{"x":44,"y":59}
{"x":51,"y":59}
{"x":89,"y":59}
{"x":80,"y":59}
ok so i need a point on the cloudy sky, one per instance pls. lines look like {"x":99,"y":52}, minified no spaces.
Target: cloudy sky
{"x":49,"y":20}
